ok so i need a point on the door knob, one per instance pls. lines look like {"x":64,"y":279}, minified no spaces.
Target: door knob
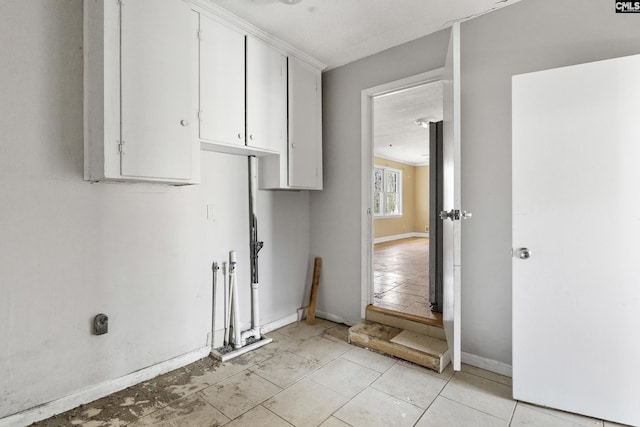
{"x":184,"y":122}
{"x":524,"y":253}
{"x":453,"y":215}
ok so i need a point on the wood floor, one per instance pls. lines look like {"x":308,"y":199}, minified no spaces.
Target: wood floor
{"x":401,"y":276}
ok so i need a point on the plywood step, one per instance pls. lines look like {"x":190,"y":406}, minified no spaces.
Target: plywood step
{"x":425,"y":326}
{"x":416,"y":347}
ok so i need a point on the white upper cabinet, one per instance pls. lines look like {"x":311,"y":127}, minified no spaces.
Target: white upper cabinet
{"x":266,"y":81}
{"x":298,"y":166}
{"x":222,"y":83}
{"x":305,"y":126}
{"x":141,"y":91}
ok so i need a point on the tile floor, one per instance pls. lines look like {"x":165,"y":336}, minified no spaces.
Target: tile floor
{"x":310,"y":376}
{"x":401,"y":276}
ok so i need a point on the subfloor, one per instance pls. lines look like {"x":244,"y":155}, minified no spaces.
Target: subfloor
{"x":310,"y":376}
{"x":401,"y":276}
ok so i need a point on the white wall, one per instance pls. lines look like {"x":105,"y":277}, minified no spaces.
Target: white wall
{"x":140,"y":253}
{"x":335,"y":211}
{"x":530,"y":35}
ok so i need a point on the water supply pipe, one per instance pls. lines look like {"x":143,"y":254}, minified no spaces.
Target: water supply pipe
{"x":235,"y":310}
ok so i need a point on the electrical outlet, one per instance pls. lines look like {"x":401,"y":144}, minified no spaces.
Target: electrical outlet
{"x":100,"y":324}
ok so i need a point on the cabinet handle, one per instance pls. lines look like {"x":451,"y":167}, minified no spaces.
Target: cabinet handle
{"x":251,"y":137}
{"x":184,"y":122}
{"x":239,"y":136}
{"x":293,"y":145}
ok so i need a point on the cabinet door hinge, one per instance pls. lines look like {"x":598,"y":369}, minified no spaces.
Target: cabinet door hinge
{"x":199,"y":114}
{"x":120,"y":147}
{"x":199,"y":34}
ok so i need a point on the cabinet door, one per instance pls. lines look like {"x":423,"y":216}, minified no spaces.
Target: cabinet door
{"x":158,"y":88}
{"x":305,"y":132}
{"x":222,"y":91}
{"x":266,"y":96}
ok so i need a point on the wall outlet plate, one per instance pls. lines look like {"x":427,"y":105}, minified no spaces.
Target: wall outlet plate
{"x":100,"y":324}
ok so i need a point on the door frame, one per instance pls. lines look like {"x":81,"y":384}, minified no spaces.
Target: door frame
{"x":366,"y":165}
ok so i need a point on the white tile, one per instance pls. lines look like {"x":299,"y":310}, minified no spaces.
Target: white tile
{"x":191,"y":411}
{"x":202,"y":374}
{"x":239,"y":393}
{"x":337,"y":333}
{"x":302,"y":331}
{"x":375,"y":408}
{"x":447,"y":413}
{"x":526,"y":415}
{"x":285,"y":368}
{"x":445,"y":375}
{"x":370,"y":359}
{"x":258,"y":417}
{"x":334,"y":422}
{"x":280,"y":344}
{"x":482,"y":394}
{"x":305,"y":403}
{"x":568,"y":416}
{"x":321,"y":350}
{"x":344,"y":377}
{"x":486,"y":374}
{"x":412,"y":386}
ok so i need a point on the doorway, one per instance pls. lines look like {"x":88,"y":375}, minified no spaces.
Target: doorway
{"x":398,"y":122}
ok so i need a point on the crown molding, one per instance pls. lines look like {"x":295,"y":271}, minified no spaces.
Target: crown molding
{"x":222,"y":14}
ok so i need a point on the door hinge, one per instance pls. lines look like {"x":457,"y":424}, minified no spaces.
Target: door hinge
{"x":120,"y":147}
{"x":199,"y":34}
{"x":199,"y":114}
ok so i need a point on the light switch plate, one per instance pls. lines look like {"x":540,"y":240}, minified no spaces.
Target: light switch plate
{"x":211,"y":213}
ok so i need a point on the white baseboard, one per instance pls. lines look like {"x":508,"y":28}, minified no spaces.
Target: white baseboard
{"x":98,"y":391}
{"x":487,"y":364}
{"x":277,"y":324}
{"x":398,"y":237}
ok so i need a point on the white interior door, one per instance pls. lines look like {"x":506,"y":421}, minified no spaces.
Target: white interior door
{"x":451,"y":200}
{"x":576,"y":207}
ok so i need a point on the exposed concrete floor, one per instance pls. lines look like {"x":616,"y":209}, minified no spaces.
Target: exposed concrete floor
{"x":310,"y":376}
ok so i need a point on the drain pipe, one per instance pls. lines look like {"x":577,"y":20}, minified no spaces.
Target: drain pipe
{"x":254,"y":247}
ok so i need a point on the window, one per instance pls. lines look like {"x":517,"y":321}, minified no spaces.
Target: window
{"x":387,"y":191}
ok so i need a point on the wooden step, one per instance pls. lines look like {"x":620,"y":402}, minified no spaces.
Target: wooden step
{"x":430,"y":327}
{"x":419,"y":348}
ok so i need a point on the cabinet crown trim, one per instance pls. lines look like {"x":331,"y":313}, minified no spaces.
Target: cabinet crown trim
{"x":251,"y":29}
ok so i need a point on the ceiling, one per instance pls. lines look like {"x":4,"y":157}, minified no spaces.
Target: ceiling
{"x":337,"y":32}
{"x":396,"y":136}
